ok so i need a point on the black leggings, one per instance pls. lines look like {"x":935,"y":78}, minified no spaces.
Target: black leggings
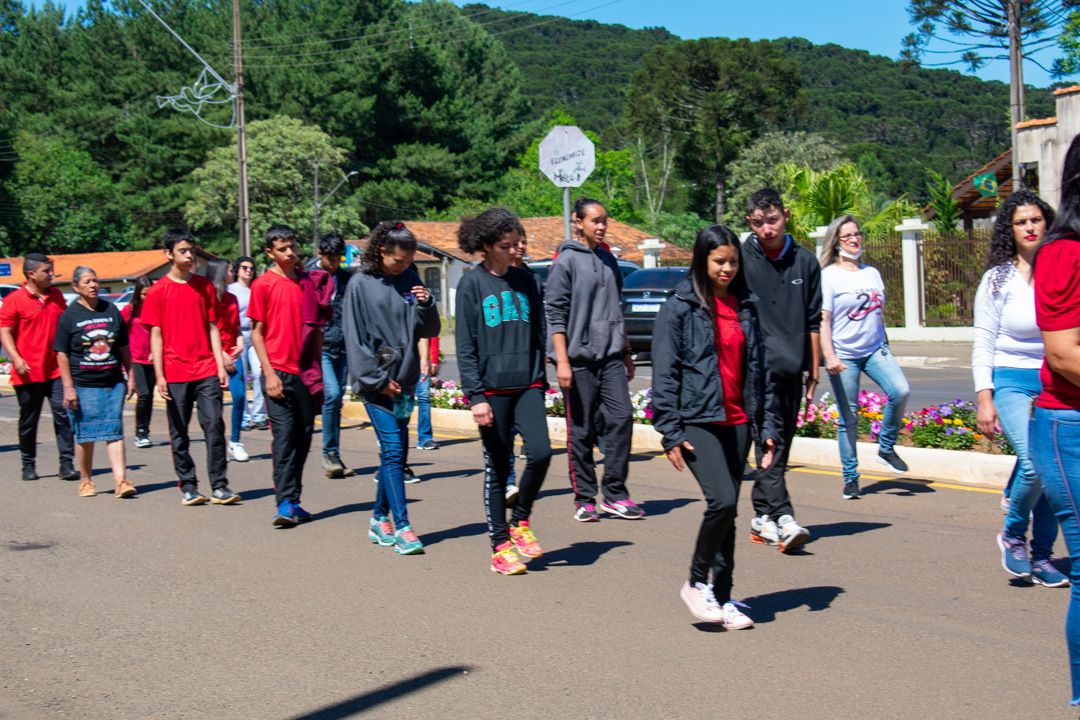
{"x":145,"y":381}
{"x":717,"y":462}
{"x":525,"y":410}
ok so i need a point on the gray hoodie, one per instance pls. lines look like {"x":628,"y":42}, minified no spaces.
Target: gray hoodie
{"x":583,"y":299}
{"x":383,"y":323}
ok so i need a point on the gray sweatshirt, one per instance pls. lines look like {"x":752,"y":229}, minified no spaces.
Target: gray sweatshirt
{"x":584,"y":301}
{"x":383,"y":324}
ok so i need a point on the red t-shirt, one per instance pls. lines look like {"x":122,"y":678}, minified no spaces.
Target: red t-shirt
{"x":33,"y":322}
{"x":228,"y":321}
{"x":183,"y":311}
{"x":731,"y":347}
{"x":275,"y":301}
{"x":1057,"y":307}
{"x":138,"y":336}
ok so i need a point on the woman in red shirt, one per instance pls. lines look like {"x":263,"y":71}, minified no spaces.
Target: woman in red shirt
{"x":141,"y":363}
{"x":1055,"y":424}
{"x":710,"y":389}
{"x":220,"y":274}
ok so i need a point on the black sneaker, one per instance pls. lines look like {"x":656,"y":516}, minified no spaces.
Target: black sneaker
{"x":192,"y":497}
{"x":409,"y":476}
{"x":264,"y":425}
{"x":29,"y":472}
{"x":68,"y":471}
{"x":851,"y":490}
{"x":893,"y":461}
{"x":429,"y":445}
{"x":223,"y":496}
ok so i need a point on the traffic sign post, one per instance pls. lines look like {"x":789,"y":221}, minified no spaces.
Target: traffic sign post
{"x":567,"y":158}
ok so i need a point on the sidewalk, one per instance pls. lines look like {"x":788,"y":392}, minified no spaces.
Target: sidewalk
{"x":943,"y":354}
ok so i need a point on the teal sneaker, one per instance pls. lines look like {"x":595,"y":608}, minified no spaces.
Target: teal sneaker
{"x":406,"y":542}
{"x":381,"y":531}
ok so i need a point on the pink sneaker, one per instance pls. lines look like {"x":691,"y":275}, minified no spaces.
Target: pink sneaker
{"x":701,"y":602}
{"x":623,"y":508}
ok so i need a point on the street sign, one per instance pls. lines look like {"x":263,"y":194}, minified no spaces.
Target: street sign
{"x":567,"y":156}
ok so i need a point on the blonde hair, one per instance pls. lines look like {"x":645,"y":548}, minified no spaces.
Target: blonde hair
{"x":830,"y":248}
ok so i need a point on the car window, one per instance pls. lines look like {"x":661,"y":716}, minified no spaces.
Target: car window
{"x":655,"y":278}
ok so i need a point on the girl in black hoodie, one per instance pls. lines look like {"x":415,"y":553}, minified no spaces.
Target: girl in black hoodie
{"x":710,"y":385}
{"x":500,"y":350}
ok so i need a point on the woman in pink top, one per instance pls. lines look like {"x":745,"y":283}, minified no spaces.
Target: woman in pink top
{"x":141,"y":362}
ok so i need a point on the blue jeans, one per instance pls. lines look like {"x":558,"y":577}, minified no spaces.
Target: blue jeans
{"x":238,"y":391}
{"x":253,"y":366}
{"x":393,"y":435}
{"x":333,"y":373}
{"x":1013,"y":390}
{"x":883,"y":369}
{"x":1055,"y":454}
{"x":424,"y":432}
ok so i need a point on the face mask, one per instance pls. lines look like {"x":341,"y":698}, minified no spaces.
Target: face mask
{"x":851,"y":256}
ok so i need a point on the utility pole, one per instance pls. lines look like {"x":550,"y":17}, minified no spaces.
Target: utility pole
{"x":241,"y":140}
{"x":1016,"y":84}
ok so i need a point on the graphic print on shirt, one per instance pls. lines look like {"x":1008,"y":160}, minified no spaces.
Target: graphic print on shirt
{"x":95,"y":336}
{"x":496,"y":312}
{"x":869,"y":301}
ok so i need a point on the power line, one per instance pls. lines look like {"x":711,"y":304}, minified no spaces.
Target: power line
{"x":433,"y":45}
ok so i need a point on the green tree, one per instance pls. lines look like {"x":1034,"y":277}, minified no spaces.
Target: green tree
{"x":761,"y":165}
{"x":280,"y":180}
{"x":717,"y":95}
{"x":947,"y":210}
{"x":64,"y":202}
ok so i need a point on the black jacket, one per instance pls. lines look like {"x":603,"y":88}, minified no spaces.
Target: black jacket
{"x":790,"y":304}
{"x":500,"y":331}
{"x":687,"y":388}
{"x":333,"y":335}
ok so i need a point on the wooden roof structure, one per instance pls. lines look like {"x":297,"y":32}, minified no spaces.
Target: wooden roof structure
{"x":972,"y":204}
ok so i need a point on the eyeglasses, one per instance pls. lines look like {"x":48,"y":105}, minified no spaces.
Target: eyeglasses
{"x":856,"y":236}
{"x":248,"y":268}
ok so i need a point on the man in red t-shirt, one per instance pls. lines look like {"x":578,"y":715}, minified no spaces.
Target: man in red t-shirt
{"x":28,"y":320}
{"x":275,"y":310}
{"x":180,"y":310}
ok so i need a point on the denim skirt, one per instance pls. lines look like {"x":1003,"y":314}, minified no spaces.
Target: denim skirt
{"x":99,"y":417}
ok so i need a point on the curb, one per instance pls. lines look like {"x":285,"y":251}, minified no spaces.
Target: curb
{"x":957,"y":466}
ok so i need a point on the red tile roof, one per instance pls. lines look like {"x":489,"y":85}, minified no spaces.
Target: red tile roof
{"x":109,"y":266}
{"x":1036,"y":123}
{"x":1067,"y":90}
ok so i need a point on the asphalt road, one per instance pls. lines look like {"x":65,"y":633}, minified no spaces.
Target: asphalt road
{"x":144,"y":608}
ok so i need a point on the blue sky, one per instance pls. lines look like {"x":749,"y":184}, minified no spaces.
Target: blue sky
{"x":850,"y":23}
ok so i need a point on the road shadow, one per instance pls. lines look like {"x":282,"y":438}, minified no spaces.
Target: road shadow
{"x":577,"y":554}
{"x":452,"y":533}
{"x":903,"y":488}
{"x":463,"y":473}
{"x":555,"y":491}
{"x":840,"y":529}
{"x":663,"y":507}
{"x":360,"y":472}
{"x":764,"y":608}
{"x":256,"y":494}
{"x":344,"y":510}
{"x":356,"y":705}
{"x":446,"y":442}
{"x":154,"y":487}
{"x":644,"y":456}
{"x":108,"y":471}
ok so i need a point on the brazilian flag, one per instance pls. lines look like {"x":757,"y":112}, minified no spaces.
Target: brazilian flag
{"x":986,"y":184}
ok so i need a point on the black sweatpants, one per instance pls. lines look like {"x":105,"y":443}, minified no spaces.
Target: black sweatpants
{"x":206,"y":393}
{"x":292,"y":421}
{"x":770,"y":494}
{"x":31,"y":396}
{"x":717,"y":462}
{"x":525,"y":410}
{"x":145,"y":380}
{"x":603,"y":385}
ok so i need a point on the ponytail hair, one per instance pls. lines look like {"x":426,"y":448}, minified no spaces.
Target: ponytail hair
{"x":486,"y":229}
{"x":389,"y":234}
{"x":583,"y":202}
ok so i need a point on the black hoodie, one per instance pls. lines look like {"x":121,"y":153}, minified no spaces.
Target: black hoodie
{"x":500,"y":331}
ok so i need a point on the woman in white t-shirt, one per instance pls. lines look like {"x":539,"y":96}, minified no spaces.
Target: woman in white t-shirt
{"x":1006,"y":356}
{"x":853,"y":342}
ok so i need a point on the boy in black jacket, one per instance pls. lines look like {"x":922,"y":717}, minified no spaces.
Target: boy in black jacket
{"x":787,"y":278}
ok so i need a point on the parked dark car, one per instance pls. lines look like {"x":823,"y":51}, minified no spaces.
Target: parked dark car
{"x":542,"y":267}
{"x":643,"y":294}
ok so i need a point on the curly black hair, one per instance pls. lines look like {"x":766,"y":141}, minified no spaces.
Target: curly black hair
{"x":1002,"y":250}
{"x":487,"y":228}
{"x":389,"y":234}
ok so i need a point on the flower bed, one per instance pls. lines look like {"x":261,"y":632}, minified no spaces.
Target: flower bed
{"x":950,"y":426}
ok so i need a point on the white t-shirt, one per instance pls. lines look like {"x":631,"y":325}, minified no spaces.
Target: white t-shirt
{"x":1006,"y":334}
{"x":856,"y":301}
{"x":243,"y":296}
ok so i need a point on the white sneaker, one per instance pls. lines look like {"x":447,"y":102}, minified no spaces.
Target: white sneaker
{"x":734,"y":618}
{"x":239,"y":454}
{"x":764,"y":531}
{"x":701,"y":602}
{"x":792,"y":535}
{"x":511,"y":494}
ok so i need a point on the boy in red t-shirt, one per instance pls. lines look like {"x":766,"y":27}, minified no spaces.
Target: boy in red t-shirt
{"x":278,"y":335}
{"x":180,"y":310}
{"x":28,"y":320}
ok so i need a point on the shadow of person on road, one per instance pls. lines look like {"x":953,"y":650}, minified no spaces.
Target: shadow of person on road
{"x":663,"y":507}
{"x":763,"y":608}
{"x":343,"y":510}
{"x":462,"y":473}
{"x":144,"y":488}
{"x":839,"y":529}
{"x":903,"y":488}
{"x":578,"y":554}
{"x":438,"y":536}
{"x":387,"y":693}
